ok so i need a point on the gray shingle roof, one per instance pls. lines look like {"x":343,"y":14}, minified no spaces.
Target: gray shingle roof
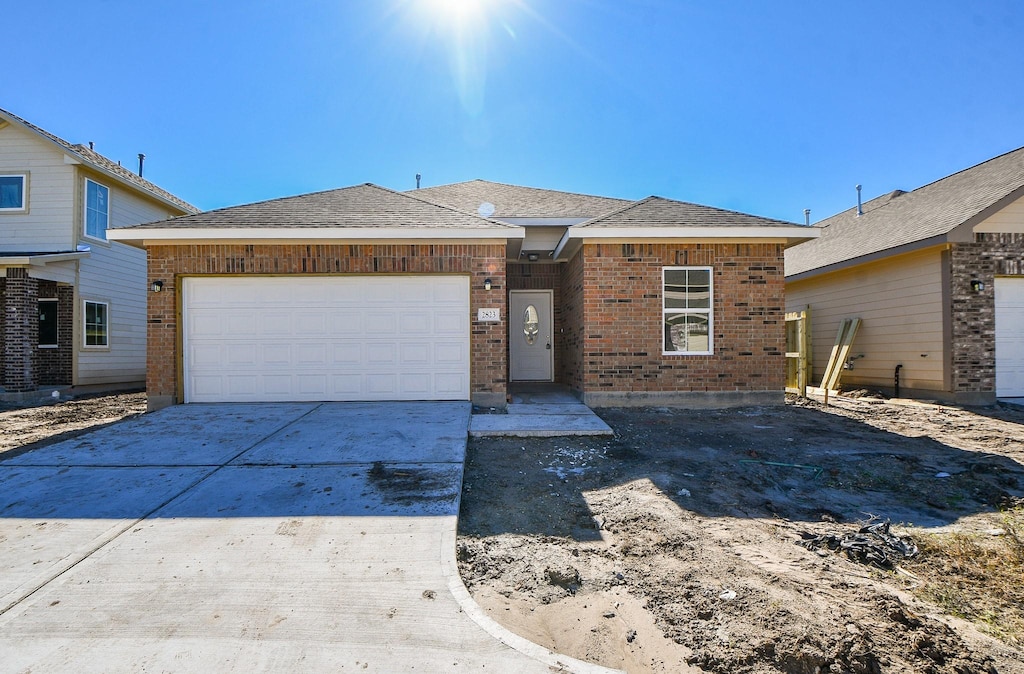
{"x":901,"y":218}
{"x":512,"y":201}
{"x":95,"y":159}
{"x":661,"y":212}
{"x":362,"y":206}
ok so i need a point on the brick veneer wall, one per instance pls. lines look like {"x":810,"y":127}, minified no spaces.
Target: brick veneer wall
{"x":54,"y":365}
{"x":21,"y":331}
{"x":573,"y":322}
{"x":973,"y":313}
{"x":488,"y":351}
{"x":622,"y":314}
{"x":536,"y":276}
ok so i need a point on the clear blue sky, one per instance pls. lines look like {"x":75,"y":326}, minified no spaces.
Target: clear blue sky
{"x":767,"y":107}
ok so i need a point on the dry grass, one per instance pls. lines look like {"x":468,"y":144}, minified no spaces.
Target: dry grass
{"x":979,"y":577}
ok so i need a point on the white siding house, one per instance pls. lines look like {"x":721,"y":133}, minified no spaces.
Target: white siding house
{"x":74,"y":303}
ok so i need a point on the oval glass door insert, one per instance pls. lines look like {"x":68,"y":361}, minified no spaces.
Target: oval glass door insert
{"x":531,"y":324}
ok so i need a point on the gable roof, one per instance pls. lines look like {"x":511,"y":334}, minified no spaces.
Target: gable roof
{"x":661,"y":212}
{"x":361,"y":211}
{"x":513,"y":201}
{"x":900,"y":219}
{"x":100,"y":163}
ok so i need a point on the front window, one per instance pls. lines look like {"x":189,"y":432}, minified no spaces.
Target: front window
{"x":687,"y":310}
{"x":47,"y":324}
{"x":97,"y":324}
{"x":12,"y":193}
{"x":97,"y":210}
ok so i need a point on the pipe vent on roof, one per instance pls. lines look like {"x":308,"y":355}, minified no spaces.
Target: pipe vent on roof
{"x":860,"y":209}
{"x":807,"y":216}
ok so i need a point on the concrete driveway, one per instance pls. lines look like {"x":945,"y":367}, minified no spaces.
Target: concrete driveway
{"x":274,"y":537}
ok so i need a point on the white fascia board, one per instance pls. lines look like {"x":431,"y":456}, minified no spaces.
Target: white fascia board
{"x":787,"y":235}
{"x":45,"y":258}
{"x":156,"y":235}
{"x":542,"y":222}
{"x":727,"y":232}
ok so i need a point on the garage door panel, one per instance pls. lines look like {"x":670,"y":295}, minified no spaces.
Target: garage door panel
{"x":416,"y":355}
{"x":326,"y":338}
{"x":1009,"y":306}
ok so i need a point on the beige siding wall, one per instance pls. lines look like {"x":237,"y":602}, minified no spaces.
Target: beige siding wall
{"x":47,"y":225}
{"x":116,"y":274}
{"x":1009,"y":220}
{"x":900,"y":304}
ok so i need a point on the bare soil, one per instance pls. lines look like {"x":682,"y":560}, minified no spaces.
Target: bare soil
{"x":672,"y":546}
{"x":25,"y":427}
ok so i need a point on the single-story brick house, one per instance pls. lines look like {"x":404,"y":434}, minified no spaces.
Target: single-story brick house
{"x":453,"y":292}
{"x":937,"y":278}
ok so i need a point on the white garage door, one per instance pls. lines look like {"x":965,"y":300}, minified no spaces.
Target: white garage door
{"x":1009,"y":337}
{"x":263,"y":339}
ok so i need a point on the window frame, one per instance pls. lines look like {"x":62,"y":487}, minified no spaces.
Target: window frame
{"x":85,"y":324}
{"x":86,"y":209}
{"x":56,"y":320}
{"x":709,"y":312}
{"x":24,"y":193}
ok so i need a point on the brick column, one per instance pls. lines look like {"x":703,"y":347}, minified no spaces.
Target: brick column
{"x":21,"y":331}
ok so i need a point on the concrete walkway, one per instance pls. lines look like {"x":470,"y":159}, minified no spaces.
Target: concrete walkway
{"x":241,"y":538}
{"x":540,"y":410}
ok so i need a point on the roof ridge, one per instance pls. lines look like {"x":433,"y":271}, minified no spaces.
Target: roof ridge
{"x":447,"y":207}
{"x":528,"y":187}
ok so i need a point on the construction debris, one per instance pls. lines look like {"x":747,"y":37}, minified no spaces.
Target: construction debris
{"x":872,"y":544}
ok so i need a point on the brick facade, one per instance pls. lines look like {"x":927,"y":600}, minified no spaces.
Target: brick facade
{"x":21,"y":331}
{"x":488,"y":349}
{"x":54,"y":365}
{"x":539,"y":276}
{"x":973,"y":313}
{"x":617,"y":343}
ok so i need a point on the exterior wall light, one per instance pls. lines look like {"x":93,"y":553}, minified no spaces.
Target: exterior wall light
{"x":977,"y":286}
{"x":487,"y":284}
{"x":157,"y":286}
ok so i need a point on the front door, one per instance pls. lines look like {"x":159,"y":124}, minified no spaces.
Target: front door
{"x":530,"y":335}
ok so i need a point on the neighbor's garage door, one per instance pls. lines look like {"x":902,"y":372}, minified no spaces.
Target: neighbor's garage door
{"x":1009,"y":337}
{"x":261,"y":339}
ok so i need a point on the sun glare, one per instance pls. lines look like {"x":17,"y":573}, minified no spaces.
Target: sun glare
{"x":458,"y":9}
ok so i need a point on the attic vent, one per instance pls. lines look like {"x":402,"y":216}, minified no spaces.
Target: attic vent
{"x":896,"y":193}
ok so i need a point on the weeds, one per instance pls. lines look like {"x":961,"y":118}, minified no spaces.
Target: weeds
{"x":978,"y":576}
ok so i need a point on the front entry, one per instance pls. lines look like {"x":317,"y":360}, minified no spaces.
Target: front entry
{"x":531,"y":335}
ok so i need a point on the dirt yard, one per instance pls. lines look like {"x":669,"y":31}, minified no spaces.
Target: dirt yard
{"x":673,"y":546}
{"x":24,"y":427}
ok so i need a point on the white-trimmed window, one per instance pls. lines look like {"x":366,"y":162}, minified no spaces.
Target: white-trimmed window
{"x":12,"y":192}
{"x":48,"y":324}
{"x":687,"y":308}
{"x":97,"y":209}
{"x":97,"y":324}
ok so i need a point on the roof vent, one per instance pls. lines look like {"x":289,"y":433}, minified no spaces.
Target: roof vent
{"x":860,"y":209}
{"x":807,"y":217}
{"x":92,"y":146}
{"x":417,"y":181}
{"x":142,"y":158}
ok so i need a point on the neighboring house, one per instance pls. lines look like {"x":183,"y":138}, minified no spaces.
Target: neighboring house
{"x":73,"y":303}
{"x":453,"y":292}
{"x":936,"y":276}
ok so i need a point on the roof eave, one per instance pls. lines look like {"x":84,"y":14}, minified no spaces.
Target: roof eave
{"x":44,"y":258}
{"x":787,"y":235}
{"x":939,"y":240}
{"x":76,"y":157}
{"x":141,"y":236}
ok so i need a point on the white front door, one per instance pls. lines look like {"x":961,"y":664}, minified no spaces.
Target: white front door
{"x":531,"y":335}
{"x":1009,"y":337}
